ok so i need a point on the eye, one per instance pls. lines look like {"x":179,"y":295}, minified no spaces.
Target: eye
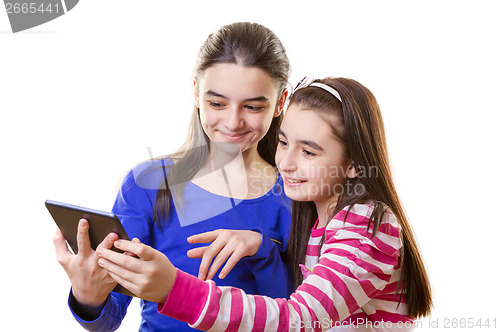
{"x":254,"y":108}
{"x":216,"y":105}
{"x":308,"y":153}
{"x":282,"y":143}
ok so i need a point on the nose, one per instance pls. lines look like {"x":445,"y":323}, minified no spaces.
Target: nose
{"x":234,"y":120}
{"x":285,"y":160}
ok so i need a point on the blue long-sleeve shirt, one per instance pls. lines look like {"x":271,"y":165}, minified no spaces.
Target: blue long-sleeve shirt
{"x":201,"y":211}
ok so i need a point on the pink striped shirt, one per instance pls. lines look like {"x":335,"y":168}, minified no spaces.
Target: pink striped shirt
{"x":350,"y":286}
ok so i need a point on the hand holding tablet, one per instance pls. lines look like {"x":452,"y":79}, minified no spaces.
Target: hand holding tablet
{"x":100,"y":224}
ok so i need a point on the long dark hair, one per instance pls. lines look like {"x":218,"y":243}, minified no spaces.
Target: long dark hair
{"x":248,"y":44}
{"x":363,"y":137}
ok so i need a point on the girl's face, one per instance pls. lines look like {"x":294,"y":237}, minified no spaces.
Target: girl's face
{"x":310,"y":158}
{"x":237,"y":104}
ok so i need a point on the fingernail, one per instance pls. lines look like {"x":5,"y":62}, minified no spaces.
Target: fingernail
{"x":222,"y":276}
{"x":201,"y":276}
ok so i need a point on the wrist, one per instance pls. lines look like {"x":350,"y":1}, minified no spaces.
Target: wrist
{"x":87,"y":299}
{"x":85,"y":311}
{"x":265,"y":245}
{"x":169,"y":283}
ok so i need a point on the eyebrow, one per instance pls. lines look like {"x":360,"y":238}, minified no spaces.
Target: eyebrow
{"x":310,"y":143}
{"x":215,"y":94}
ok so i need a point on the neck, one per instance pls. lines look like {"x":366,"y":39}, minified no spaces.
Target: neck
{"x":229,"y":172}
{"x":222,"y":154}
{"x":324,"y":209}
{"x":251,"y":157}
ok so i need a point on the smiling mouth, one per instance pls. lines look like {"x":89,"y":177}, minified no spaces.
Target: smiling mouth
{"x":232,"y":137}
{"x":294,"y":182}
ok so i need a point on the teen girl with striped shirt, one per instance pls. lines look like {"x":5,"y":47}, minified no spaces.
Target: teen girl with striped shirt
{"x":353,"y":257}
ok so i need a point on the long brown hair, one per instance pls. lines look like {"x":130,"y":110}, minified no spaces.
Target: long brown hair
{"x":363,"y":137}
{"x":248,"y":44}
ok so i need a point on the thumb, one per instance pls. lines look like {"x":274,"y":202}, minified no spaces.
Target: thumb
{"x":62,"y":252}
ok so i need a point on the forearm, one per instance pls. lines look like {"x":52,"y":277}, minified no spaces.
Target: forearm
{"x":206,"y":306}
{"x":186,"y":299}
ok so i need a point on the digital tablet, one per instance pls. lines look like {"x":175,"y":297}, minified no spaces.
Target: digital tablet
{"x":101,"y":224}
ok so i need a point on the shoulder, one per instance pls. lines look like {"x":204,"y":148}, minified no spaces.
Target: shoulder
{"x":149,"y":174}
{"x":139,"y":188}
{"x":359,"y":215}
{"x":353,"y":222}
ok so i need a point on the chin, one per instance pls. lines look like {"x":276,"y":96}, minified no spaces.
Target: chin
{"x":296,"y":196}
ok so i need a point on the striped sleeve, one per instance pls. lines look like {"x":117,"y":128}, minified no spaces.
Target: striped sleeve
{"x":353,"y":268}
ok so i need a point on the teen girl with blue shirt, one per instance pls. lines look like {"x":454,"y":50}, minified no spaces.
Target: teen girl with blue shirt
{"x":240,"y":89}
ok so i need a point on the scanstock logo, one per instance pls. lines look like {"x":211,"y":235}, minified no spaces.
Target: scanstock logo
{"x":26,"y":14}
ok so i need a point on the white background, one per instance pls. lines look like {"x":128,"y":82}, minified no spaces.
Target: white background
{"x":84,"y":96}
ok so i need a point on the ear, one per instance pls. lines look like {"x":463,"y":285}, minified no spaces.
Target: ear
{"x":196,"y":93}
{"x":351,"y":171}
{"x":281,"y":103}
